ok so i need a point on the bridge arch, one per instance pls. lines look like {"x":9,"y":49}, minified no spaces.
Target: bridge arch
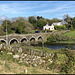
{"x":13,"y":40}
{"x":32,"y":39}
{"x":3,"y":41}
{"x":39,"y":38}
{"x":23,"y":40}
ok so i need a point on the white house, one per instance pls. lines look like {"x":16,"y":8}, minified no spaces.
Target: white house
{"x":48,"y":27}
{"x":60,"y":23}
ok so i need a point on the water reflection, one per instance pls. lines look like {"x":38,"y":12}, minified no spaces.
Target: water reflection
{"x":56,"y":47}
{"x":72,"y":47}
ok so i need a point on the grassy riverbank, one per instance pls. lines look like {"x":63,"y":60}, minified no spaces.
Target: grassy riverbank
{"x":45,"y":49}
{"x":61,"y":43}
{"x":8,"y":65}
{"x":70,"y":34}
{"x":63,"y":38}
{"x":63,"y":62}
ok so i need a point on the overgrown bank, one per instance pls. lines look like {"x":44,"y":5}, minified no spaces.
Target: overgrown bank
{"x":35,"y":60}
{"x":63,"y":38}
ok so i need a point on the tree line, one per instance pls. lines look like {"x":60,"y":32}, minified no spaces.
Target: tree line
{"x":22,"y":25}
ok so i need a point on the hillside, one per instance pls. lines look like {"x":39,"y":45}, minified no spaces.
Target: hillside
{"x":8,"y":65}
{"x":51,"y":62}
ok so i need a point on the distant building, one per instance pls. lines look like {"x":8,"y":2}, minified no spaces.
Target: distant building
{"x":60,"y":23}
{"x":48,"y":27}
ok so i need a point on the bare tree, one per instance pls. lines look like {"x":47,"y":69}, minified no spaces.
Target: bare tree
{"x":67,"y":18}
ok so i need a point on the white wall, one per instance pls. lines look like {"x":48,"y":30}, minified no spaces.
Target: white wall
{"x":59,"y":24}
{"x":48,"y":27}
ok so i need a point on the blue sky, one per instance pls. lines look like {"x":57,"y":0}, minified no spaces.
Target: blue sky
{"x":46,"y":9}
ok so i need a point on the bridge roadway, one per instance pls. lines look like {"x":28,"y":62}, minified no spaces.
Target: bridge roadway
{"x":19,"y":38}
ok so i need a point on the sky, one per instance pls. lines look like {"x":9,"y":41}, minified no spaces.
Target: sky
{"x":46,"y":9}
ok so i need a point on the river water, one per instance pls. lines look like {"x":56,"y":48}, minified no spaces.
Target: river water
{"x":57,"y":46}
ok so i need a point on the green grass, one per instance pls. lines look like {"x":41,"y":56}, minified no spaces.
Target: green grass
{"x":65,"y":42}
{"x":40,"y":49}
{"x":7,"y":66}
{"x":34,"y":71}
{"x":61,"y":58}
{"x":1,"y":64}
{"x":70,"y":34}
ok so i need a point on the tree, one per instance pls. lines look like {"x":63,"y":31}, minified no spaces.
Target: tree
{"x":28,"y":27}
{"x":8,"y":26}
{"x":19,"y":19}
{"x":71,"y":28}
{"x":20,"y":28}
{"x":55,"y":20}
{"x":73,"y":22}
{"x":21,"y":24}
{"x":39,"y":18}
{"x":41,"y":23}
{"x":24,"y":27}
{"x":67,"y":18}
{"x":14,"y":25}
{"x":32,"y":20}
{"x":1,"y":30}
{"x":49,"y":21}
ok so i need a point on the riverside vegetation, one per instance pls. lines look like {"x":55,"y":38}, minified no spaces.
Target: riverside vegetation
{"x":17,"y":59}
{"x":65,"y":38}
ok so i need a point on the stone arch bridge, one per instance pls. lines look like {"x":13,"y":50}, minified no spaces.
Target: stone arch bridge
{"x":18,"y":38}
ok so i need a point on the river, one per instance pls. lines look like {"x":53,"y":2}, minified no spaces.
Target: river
{"x":57,"y":46}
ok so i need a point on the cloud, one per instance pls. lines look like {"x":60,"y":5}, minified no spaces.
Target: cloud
{"x":54,"y":9}
{"x":58,"y":6}
{"x":19,"y":8}
{"x":6,"y":9}
{"x":42,"y":8}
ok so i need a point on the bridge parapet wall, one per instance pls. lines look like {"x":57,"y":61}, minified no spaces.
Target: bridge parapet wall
{"x":18,"y":37}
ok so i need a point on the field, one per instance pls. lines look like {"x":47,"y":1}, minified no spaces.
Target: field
{"x":70,"y":34}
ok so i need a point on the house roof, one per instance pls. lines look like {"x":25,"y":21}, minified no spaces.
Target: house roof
{"x":47,"y":24}
{"x":63,"y":22}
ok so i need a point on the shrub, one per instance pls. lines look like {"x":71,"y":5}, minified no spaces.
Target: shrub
{"x":63,"y":68}
{"x":70,"y":62}
{"x":56,"y":38}
{"x":60,"y":27}
{"x":54,"y":57}
{"x":71,"y":28}
{"x":52,"y":66}
{"x":7,"y":66}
